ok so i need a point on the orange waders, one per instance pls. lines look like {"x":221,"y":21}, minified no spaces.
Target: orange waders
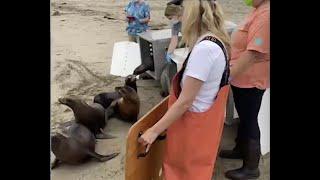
{"x":193,"y":140}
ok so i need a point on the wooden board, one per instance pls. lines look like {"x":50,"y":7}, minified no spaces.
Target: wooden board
{"x":149,"y":167}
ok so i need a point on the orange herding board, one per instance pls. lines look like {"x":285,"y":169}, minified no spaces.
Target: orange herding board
{"x":148,"y":167}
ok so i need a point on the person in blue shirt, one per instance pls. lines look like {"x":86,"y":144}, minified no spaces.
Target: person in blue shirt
{"x":174,"y":13}
{"x":138,"y":17}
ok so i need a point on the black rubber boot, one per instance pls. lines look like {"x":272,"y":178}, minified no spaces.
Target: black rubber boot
{"x":250,"y":167}
{"x":235,"y":153}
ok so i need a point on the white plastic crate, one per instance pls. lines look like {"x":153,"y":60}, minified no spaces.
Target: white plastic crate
{"x":125,"y":58}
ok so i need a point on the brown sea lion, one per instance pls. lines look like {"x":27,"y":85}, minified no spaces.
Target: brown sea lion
{"x":105,"y":99}
{"x":75,"y":146}
{"x":145,"y":75}
{"x":148,"y":65}
{"x":93,"y":116}
{"x":128,"y":106}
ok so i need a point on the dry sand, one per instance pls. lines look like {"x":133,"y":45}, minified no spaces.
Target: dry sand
{"x":82,"y":36}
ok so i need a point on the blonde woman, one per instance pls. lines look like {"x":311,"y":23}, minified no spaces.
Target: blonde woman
{"x":192,"y":138}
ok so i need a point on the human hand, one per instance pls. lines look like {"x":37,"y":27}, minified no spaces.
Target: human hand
{"x":230,"y":78}
{"x":148,"y":138}
{"x":130,"y":18}
{"x":137,"y":19}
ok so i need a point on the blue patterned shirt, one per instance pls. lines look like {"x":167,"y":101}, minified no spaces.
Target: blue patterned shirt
{"x":139,"y":11}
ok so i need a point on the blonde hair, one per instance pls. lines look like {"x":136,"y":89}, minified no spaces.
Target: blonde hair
{"x":200,"y":16}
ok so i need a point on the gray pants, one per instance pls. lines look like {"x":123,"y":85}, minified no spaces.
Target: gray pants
{"x":168,"y":71}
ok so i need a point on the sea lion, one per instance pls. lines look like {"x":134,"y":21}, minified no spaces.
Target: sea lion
{"x":145,"y":75}
{"x":105,"y":99}
{"x":127,"y":107}
{"x":93,"y":116}
{"x":75,"y":146}
{"x":148,"y":65}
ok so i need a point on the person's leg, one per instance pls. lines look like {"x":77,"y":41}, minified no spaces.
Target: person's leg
{"x":252,"y":127}
{"x":230,"y":109}
{"x":132,"y":38}
{"x":235,"y":153}
{"x":239,"y":102}
{"x":250,"y":106}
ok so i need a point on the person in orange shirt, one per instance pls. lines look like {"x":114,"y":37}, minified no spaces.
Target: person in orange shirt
{"x":249,"y":78}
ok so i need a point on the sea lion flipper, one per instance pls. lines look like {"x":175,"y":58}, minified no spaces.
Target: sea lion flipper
{"x":104,"y":136}
{"x":110,"y":110}
{"x":66,"y":124}
{"x":100,"y":157}
{"x":117,"y":88}
{"x":114,"y":103}
{"x":55,"y":163}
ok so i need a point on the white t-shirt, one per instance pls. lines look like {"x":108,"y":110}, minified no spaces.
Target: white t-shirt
{"x":206,"y":63}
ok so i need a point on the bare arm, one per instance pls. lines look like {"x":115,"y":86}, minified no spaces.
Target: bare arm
{"x":189,"y":91}
{"x":246,"y":60}
{"x":145,"y":20}
{"x":173,"y":44}
{"x":258,"y":46}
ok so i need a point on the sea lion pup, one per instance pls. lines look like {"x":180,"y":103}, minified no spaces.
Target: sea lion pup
{"x":145,"y":76}
{"x":127,"y":107}
{"x":75,"y":146}
{"x":105,"y":99}
{"x":93,"y":116}
{"x":148,"y":65}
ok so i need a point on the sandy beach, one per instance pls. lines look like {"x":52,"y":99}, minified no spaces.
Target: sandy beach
{"x":82,"y":36}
